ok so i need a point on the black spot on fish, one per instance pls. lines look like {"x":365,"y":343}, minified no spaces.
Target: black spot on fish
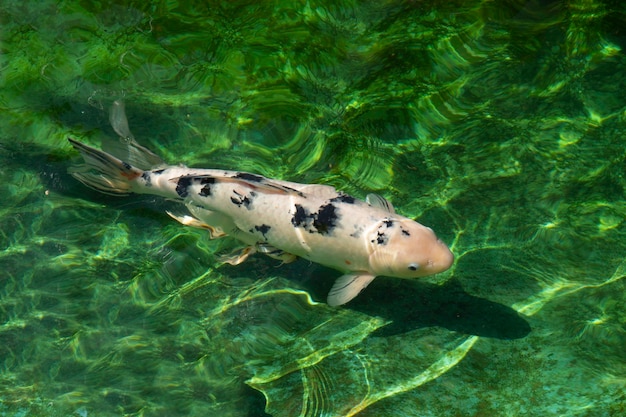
{"x":206,"y":190}
{"x":343,"y":198}
{"x":404,"y":232}
{"x":249,"y":177}
{"x":146,"y":177}
{"x":127,"y":165}
{"x":158,"y":171}
{"x":381,"y":238}
{"x":300,"y":216}
{"x":241,"y":200}
{"x":264,"y":228}
{"x":182,"y":186}
{"x":325,"y":219}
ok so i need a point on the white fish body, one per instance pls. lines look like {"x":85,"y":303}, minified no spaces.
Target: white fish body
{"x":282,"y":219}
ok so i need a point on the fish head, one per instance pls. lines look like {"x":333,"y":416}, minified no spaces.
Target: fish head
{"x":403,"y":248}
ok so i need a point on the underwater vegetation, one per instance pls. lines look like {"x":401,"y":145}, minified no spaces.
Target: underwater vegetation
{"x":501,"y":124}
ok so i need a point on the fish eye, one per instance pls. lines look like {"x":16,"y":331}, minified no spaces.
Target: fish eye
{"x":414,"y":266}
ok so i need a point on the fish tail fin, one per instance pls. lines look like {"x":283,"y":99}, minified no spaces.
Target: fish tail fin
{"x":104,"y":172}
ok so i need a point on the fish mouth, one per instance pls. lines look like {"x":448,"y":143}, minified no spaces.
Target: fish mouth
{"x":444,"y":259}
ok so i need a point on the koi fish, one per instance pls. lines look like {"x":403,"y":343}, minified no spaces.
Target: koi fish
{"x":284,"y":220}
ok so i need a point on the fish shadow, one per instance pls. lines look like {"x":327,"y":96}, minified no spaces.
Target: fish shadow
{"x":411,"y":305}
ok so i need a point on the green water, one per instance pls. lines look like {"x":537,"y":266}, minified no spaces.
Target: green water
{"x":499,"y":124}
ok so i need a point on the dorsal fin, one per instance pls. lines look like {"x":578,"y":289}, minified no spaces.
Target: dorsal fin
{"x":256,"y":182}
{"x":320,"y":190}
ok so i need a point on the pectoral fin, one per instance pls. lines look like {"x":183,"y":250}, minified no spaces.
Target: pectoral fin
{"x":275,"y":253}
{"x":381,"y":202}
{"x":238,"y":256}
{"x":347,"y":287}
{"x":215,"y":232}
